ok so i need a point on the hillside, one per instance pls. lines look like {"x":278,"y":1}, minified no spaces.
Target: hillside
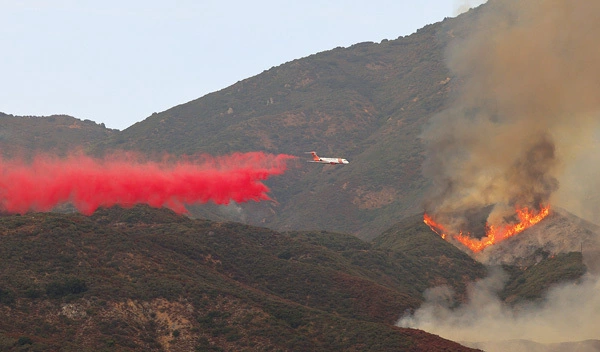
{"x":367,"y":103}
{"x":21,"y":136}
{"x":329,"y":265}
{"x":147,"y":279}
{"x":548,"y":261}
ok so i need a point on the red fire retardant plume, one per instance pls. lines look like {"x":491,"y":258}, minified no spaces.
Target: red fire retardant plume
{"x":87,"y":183}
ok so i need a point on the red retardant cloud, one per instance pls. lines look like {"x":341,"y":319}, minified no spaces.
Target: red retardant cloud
{"x":88,"y":183}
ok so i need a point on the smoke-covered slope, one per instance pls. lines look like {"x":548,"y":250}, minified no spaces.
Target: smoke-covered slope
{"x":541,"y":285}
{"x":538,"y":258}
{"x":561,"y":232}
{"x":531,"y":346}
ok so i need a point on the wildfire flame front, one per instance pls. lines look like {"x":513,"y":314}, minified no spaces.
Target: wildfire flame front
{"x":494,"y":234}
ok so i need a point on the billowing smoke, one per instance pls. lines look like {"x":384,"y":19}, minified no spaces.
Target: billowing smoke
{"x":529,"y":102}
{"x":523,"y":124}
{"x":568,"y":313}
{"x":462,"y":6}
{"x":45,"y":182}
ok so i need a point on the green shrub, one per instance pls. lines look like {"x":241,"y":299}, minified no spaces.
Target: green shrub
{"x":6,"y":297}
{"x":24,"y":340}
{"x":68,"y":286}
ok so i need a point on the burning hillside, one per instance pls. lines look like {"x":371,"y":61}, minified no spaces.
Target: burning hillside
{"x":559,"y":232}
{"x":494,"y":233}
{"x":526,"y":107}
{"x":534,"y":236}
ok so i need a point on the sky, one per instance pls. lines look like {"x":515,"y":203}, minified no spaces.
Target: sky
{"x":117,"y":62}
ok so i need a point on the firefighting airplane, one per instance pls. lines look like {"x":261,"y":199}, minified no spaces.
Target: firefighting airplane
{"x":332,"y":161}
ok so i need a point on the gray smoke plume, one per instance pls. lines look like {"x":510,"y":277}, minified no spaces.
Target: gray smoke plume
{"x":569,"y":313}
{"x":462,"y":6}
{"x":525,"y":121}
{"x":529,"y":105}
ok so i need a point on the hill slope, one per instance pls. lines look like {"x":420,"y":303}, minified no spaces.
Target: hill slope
{"x":534,"y":260}
{"x":22,"y":136}
{"x":147,"y":279}
{"x":367,"y":103}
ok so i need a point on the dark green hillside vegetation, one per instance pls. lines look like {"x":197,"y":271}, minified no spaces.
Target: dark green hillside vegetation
{"x":413,"y":238}
{"x":22,"y":136}
{"x":148,"y":279}
{"x":367,"y":103}
{"x":531,"y":283}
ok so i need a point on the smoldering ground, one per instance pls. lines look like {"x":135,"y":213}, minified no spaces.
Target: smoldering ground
{"x":528,"y":108}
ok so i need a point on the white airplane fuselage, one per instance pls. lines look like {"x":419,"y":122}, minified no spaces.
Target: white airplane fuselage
{"x":333,"y":161}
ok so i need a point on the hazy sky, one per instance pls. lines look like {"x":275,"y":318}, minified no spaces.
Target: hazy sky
{"x":117,"y":62}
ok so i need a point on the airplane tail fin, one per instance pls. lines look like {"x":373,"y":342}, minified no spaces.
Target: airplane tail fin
{"x":314,"y":156}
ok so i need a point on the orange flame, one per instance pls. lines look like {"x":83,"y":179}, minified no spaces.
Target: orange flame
{"x":493,"y":235}
{"x":434,"y":226}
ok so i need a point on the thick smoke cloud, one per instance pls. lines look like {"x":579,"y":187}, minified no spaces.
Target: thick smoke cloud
{"x":528,"y":105}
{"x":87,"y":183}
{"x":569,"y":313}
{"x":523,"y":130}
{"x":462,"y":6}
